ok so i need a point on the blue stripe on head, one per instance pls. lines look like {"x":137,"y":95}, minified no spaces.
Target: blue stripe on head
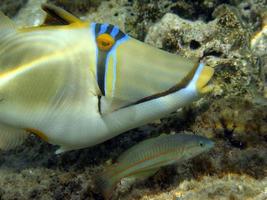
{"x":103,"y":29}
{"x":192,"y":83}
{"x":114,"y":31}
{"x":198,"y":72}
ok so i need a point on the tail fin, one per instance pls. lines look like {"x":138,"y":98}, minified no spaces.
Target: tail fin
{"x":106,"y":183}
{"x":11,"y":137}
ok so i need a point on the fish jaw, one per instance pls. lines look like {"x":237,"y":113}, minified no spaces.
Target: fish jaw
{"x":199,"y":83}
{"x":145,"y":112}
{"x":136,"y":71}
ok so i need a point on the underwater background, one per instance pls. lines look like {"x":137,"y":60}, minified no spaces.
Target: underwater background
{"x":228,"y":35}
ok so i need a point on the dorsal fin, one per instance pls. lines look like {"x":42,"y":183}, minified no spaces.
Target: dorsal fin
{"x":7,"y":26}
{"x":56,"y":15}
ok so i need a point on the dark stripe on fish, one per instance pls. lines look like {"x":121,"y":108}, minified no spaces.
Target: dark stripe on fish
{"x":119,"y":36}
{"x":101,"y":70}
{"x":173,"y":89}
{"x":109,"y":29}
{"x":97,"y":29}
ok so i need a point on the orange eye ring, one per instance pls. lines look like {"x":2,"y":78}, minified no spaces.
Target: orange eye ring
{"x":105,"y":42}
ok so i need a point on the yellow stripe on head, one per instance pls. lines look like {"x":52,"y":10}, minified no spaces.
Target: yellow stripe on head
{"x":110,"y":76}
{"x":204,"y":78}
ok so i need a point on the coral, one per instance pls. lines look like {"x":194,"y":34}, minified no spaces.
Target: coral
{"x":10,"y":7}
{"x":30,"y":14}
{"x":232,"y":185}
{"x":113,"y":12}
{"x":234,"y":115}
{"x":76,"y":7}
{"x":227,"y":119}
{"x":259,"y":47}
{"x":250,"y":11}
{"x":222,"y":43}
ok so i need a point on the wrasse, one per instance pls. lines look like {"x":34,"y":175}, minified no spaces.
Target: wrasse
{"x":147,"y":157}
{"x":77,"y":84}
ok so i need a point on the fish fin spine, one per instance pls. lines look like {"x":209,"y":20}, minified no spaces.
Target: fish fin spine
{"x":63,"y":149}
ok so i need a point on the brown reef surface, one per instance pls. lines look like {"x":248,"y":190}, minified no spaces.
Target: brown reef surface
{"x":234,"y":115}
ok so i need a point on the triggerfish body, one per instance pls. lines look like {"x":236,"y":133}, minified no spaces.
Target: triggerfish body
{"x":147,"y":157}
{"x":77,"y":84}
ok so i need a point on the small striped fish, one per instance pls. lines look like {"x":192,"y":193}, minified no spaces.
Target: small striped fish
{"x":147,"y":157}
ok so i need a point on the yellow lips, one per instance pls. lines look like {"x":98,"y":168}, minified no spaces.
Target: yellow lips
{"x":202,"y":83}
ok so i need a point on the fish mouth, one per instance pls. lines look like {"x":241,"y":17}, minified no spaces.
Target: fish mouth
{"x":203,"y":83}
{"x":211,"y":144}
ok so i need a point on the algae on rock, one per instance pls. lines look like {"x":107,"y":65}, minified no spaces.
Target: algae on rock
{"x":234,"y":115}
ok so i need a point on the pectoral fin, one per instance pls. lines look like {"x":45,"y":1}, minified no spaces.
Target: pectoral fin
{"x":58,"y":15}
{"x":11,"y":137}
{"x":62,"y":149}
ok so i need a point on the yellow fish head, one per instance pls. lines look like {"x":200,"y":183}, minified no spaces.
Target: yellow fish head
{"x":129,"y":71}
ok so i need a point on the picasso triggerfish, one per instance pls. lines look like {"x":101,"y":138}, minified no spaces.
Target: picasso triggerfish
{"x":76,"y":84}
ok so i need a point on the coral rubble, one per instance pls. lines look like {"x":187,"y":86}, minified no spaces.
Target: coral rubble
{"x":234,"y":115}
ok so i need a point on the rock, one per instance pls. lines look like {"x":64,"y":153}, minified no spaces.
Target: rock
{"x":233,"y":115}
{"x":11,"y":7}
{"x":222,"y":43}
{"x":31,"y":14}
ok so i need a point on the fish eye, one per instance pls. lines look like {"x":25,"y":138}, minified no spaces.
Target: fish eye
{"x":201,"y":143}
{"x":105,"y":41}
